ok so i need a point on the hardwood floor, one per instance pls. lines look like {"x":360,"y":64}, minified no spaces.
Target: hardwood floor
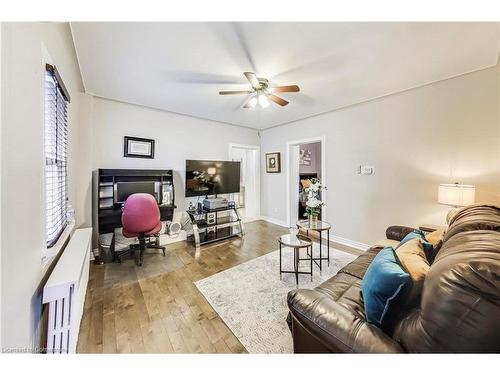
{"x":157,"y":308}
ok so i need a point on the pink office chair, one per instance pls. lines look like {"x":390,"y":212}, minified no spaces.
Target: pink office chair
{"x":141,"y":219}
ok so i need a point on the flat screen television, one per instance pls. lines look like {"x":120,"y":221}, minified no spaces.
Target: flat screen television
{"x":212,"y":177}
{"x":122,"y":190}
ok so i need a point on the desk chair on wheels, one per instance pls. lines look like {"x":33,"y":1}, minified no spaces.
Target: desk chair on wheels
{"x":141,"y":219}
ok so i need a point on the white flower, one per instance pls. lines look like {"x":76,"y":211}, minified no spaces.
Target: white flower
{"x":313,"y":202}
{"x":315,"y":187}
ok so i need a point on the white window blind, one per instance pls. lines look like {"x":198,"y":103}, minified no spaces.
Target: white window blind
{"x":56,"y":141}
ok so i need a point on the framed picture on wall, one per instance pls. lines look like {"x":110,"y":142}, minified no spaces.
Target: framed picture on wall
{"x":273,"y":162}
{"x":305,"y":157}
{"x":134,"y":147}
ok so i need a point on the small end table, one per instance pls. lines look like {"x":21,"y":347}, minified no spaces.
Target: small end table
{"x":320,"y":227}
{"x":296,"y":242}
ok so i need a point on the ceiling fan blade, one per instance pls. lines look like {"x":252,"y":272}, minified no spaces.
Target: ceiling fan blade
{"x":291,"y":88}
{"x":252,"y":78}
{"x":235,"y":92}
{"x":247,"y":105}
{"x":277,"y":100}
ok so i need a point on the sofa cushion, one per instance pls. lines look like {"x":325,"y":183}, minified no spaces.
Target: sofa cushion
{"x":335,"y":326}
{"x":475,"y":217}
{"x":345,"y":289}
{"x":359,"y":265}
{"x":383,"y":282}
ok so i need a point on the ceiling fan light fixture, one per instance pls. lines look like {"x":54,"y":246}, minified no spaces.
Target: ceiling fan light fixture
{"x":263,"y":101}
{"x":252,"y":102}
{"x":260,"y":93}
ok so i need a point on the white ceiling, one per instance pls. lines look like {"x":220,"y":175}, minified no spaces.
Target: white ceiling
{"x":180,"y":67}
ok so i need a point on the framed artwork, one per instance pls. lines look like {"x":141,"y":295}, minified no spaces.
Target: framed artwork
{"x":134,"y":147}
{"x":305,"y":157}
{"x":273,"y":162}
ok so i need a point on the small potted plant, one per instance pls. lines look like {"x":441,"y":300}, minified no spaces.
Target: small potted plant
{"x":313,"y":203}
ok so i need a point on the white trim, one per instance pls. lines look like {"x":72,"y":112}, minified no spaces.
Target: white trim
{"x":251,"y":219}
{"x":240,"y":145}
{"x":322,"y":140}
{"x":337,"y":239}
{"x":257,"y":168}
{"x":274,"y":221}
{"x":350,"y":243}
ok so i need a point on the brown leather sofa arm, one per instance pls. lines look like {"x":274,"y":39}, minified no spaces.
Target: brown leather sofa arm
{"x":397,"y":232}
{"x":318,"y":321}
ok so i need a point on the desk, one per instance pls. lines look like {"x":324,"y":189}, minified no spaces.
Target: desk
{"x":108,"y":214}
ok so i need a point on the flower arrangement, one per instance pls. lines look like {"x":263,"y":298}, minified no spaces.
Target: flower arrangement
{"x":313,"y":203}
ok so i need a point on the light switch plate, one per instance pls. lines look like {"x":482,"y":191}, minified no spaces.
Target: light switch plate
{"x":367,"y":170}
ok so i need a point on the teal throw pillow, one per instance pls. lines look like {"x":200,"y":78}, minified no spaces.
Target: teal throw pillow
{"x":384,"y":280}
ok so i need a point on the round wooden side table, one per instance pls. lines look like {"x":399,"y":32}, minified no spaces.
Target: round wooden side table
{"x":296,"y":242}
{"x":320,"y":227}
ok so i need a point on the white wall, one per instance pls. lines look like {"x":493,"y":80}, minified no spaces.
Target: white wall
{"x":177,"y":138}
{"x":22,"y":168}
{"x":444,"y":132}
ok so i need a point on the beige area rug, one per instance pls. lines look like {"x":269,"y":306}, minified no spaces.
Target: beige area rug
{"x":251,"y":298}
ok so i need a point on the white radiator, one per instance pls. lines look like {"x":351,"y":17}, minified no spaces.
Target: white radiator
{"x":65,"y":293}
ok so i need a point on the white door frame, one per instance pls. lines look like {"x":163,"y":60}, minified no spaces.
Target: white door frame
{"x":289,"y":144}
{"x":257,"y":169}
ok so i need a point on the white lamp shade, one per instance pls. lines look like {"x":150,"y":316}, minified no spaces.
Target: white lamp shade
{"x":211,"y":171}
{"x":456,"y":194}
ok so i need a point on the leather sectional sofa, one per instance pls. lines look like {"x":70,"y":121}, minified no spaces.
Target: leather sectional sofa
{"x":459,"y":309}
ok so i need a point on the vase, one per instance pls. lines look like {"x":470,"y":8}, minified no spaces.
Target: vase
{"x":313,"y":221}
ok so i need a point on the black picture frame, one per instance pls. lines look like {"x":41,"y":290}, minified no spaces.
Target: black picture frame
{"x":128,"y":141}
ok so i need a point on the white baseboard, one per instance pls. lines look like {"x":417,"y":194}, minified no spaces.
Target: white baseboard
{"x":166,"y":239}
{"x":341,"y":240}
{"x":350,"y":243}
{"x":274,"y":221}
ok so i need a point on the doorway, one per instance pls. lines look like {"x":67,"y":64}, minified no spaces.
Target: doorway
{"x":305,"y":160}
{"x":249,"y":196}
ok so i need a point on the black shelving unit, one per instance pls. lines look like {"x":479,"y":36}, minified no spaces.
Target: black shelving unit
{"x":109,"y":212}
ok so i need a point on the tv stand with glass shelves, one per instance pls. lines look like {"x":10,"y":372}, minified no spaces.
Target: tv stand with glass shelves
{"x":206,"y":226}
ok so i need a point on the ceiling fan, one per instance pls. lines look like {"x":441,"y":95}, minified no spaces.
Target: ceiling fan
{"x":261,"y":92}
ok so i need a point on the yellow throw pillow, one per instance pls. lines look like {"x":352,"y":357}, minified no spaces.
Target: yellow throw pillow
{"x":435,"y":238}
{"x":412,"y":257}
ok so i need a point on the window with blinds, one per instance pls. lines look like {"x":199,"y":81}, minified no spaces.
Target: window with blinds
{"x":56,"y":142}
